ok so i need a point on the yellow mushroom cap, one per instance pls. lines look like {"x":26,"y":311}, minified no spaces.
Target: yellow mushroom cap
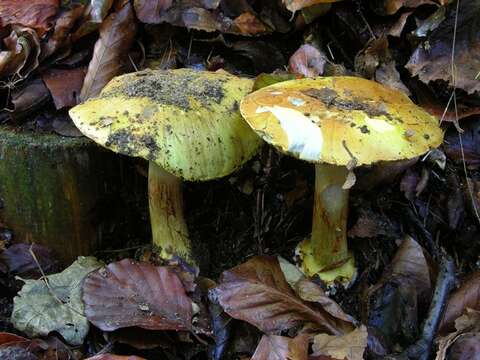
{"x":335,"y":119}
{"x":184,"y":120}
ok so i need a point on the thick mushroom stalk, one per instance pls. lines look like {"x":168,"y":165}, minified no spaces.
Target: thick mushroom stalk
{"x":326,"y":252}
{"x":169,"y":229}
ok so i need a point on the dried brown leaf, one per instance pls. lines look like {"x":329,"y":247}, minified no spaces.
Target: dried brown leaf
{"x":295,"y":5}
{"x":29,"y":99}
{"x":19,"y":261}
{"x":64,"y":85}
{"x":467,"y":149}
{"x":432,"y":60}
{"x":114,"y":357}
{"x":272,"y":347}
{"x":61,"y":32}
{"x":249,"y":24}
{"x":257,"y":292}
{"x":127,"y":293}
{"x":350,"y":346}
{"x":149,"y":11}
{"x":13,"y":57}
{"x":117,"y":34}
{"x":390,"y":7}
{"x":460,"y":344}
{"x":36,"y":14}
{"x":307,"y":61}
{"x":467,"y":296}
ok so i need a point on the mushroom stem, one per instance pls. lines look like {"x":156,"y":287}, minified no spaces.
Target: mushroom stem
{"x":329,"y":225}
{"x":169,"y":229}
{"x":326,"y":252}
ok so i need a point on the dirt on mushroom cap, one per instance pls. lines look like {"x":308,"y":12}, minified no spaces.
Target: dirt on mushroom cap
{"x":336,"y":119}
{"x":184,"y":120}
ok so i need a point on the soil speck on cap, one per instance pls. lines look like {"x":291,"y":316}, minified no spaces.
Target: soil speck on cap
{"x":167,"y":88}
{"x":331,"y":98}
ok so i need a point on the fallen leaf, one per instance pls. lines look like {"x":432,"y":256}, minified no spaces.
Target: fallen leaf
{"x":39,"y":309}
{"x":8,"y":338}
{"x":29,"y":99}
{"x":467,"y":296}
{"x":258,"y":293}
{"x":249,"y":24}
{"x":390,"y":7}
{"x":350,"y":346}
{"x":461,"y":344}
{"x":20,"y":262}
{"x":61,"y":31}
{"x":309,"y":291}
{"x":307,"y":61}
{"x":114,"y":357}
{"x":21,"y":56}
{"x":64,"y":85}
{"x":127,"y":293}
{"x":93,"y":17}
{"x":148,"y":11}
{"x":375,"y":62}
{"x":404,"y":288}
{"x":468,"y":149}
{"x":272,"y":347}
{"x":13,"y":57}
{"x":432,"y":59}
{"x":295,"y":5}
{"x":117,"y":34}
{"x":36,"y":14}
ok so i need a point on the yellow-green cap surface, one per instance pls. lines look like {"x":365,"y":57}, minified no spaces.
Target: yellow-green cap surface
{"x":333,"y":119}
{"x":184,"y":120}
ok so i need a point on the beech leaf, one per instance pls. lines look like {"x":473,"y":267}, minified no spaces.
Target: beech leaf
{"x":272,"y":347}
{"x":149,"y":11}
{"x":117,"y":34}
{"x":295,"y":5}
{"x":39,"y":309}
{"x":258,"y":293}
{"x":350,"y":346}
{"x":128,"y":293}
{"x":64,"y":85}
{"x":467,"y":296}
{"x":36,"y":14}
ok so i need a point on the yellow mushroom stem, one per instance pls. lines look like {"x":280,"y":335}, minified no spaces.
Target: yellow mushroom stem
{"x":169,"y":229}
{"x":326,"y":252}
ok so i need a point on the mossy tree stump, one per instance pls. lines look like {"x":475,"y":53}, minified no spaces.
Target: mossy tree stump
{"x":49,"y":187}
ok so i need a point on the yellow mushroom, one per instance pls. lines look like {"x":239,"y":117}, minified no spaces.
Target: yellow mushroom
{"x":337,"y":122}
{"x":185,"y":122}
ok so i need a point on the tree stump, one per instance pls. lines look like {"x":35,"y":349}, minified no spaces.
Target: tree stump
{"x":50,"y":186}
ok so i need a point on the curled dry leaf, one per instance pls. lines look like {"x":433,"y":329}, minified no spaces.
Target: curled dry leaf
{"x":350,"y":346}
{"x":29,"y":99}
{"x":17,"y":347}
{"x":64,"y":85}
{"x":36,"y":14}
{"x":62,"y":31}
{"x":39,"y":309}
{"x":432,"y":59}
{"x":127,"y":293}
{"x":257,"y":292}
{"x":295,"y":5}
{"x":149,"y":11}
{"x":272,"y":347}
{"x":117,"y":34}
{"x":307,"y":61}
{"x":466,"y":297}
{"x":390,"y":7}
{"x":92,"y":17}
{"x":21,"y":56}
{"x":20,"y":262}
{"x":462,"y":343}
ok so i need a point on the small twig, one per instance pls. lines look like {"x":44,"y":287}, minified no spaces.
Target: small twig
{"x":421,"y":350}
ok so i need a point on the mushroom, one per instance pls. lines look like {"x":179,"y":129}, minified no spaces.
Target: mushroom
{"x":186,"y":123}
{"x":337,"y":123}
